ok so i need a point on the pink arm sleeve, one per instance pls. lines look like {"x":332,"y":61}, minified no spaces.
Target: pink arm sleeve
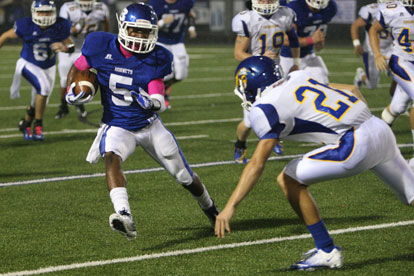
{"x":156,"y":87}
{"x":81,"y":63}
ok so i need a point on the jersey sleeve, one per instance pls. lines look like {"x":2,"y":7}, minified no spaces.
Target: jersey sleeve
{"x":21,"y":27}
{"x":164,"y":63}
{"x":104,"y":11}
{"x":91,"y":40}
{"x":89,"y":48}
{"x":364,"y":14}
{"x":265,"y":121}
{"x":66,"y":26}
{"x":381,"y":17}
{"x":290,"y":18}
{"x":239,"y":24}
{"x":63,"y":12}
{"x":331,"y":10}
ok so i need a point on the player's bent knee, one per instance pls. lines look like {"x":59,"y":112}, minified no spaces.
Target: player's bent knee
{"x":184,"y":177}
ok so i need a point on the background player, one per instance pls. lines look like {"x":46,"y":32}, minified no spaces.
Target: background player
{"x":175,"y":18}
{"x":261,"y":31}
{"x":128,"y":65}
{"x":311,"y":25}
{"x":398,"y":17}
{"x":86,"y":16}
{"x":371,"y":76}
{"x":42,"y":37}
{"x":304,"y":109}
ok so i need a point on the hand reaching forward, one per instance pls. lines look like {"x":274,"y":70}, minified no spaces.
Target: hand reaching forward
{"x":381,"y":62}
{"x":223,"y":222}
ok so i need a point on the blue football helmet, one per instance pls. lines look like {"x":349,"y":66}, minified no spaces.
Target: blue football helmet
{"x":253,"y":76}
{"x":318,"y":4}
{"x":39,"y":6}
{"x":142,"y":16}
{"x":268,"y":8}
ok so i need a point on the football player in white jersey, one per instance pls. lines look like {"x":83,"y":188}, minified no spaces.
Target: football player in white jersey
{"x":371,"y":76}
{"x":398,"y":17}
{"x":301,"y":108}
{"x":86,"y":16}
{"x":261,"y":31}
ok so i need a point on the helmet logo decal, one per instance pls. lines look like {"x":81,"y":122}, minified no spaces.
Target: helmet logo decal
{"x":241,"y":78}
{"x":123,"y":14}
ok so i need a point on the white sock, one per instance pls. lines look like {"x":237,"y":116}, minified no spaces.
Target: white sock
{"x":204,"y":200}
{"x":387,"y":116}
{"x":119,"y":198}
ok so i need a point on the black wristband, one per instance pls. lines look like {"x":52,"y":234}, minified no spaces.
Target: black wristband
{"x":71,"y":48}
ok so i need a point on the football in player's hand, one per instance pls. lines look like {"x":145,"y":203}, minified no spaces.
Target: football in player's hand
{"x":86,"y":81}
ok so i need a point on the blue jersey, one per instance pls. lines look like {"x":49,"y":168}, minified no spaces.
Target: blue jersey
{"x":174,"y":32}
{"x":119,"y":75}
{"x":36,"y":41}
{"x":308,"y":22}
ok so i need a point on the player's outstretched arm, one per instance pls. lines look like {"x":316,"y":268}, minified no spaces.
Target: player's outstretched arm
{"x":356,"y":25}
{"x":66,"y":46}
{"x":380,"y":60}
{"x":191,"y":24}
{"x":248,"y":179}
{"x":7,"y":35}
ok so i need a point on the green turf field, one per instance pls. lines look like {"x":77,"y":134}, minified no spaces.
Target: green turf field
{"x":55,"y":206}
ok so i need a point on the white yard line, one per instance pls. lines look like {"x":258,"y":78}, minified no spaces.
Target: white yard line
{"x":175,"y":253}
{"x":93,"y":130}
{"x":157,"y":169}
{"x":97,"y":102}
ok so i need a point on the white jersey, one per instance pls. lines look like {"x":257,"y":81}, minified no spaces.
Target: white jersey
{"x":90,"y":21}
{"x":368,"y":13}
{"x":264,"y":33}
{"x":304,"y":109}
{"x":395,"y":16}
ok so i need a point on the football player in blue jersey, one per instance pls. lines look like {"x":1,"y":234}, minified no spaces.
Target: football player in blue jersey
{"x":302,"y":108}
{"x":44,"y":34}
{"x":312,"y":19}
{"x":175,"y":18}
{"x":131,"y":68}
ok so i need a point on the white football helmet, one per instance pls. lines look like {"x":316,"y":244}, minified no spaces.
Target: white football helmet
{"x":407,"y":3}
{"x":142,"y":16}
{"x":40,"y":6}
{"x":318,"y":4}
{"x":384,"y":1}
{"x":86,"y":5}
{"x":267,"y":8}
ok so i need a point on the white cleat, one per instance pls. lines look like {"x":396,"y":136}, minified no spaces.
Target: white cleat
{"x":123,"y":224}
{"x":317,"y":258}
{"x":358,"y":77}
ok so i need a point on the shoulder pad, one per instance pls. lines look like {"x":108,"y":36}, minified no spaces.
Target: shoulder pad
{"x":93,"y":39}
